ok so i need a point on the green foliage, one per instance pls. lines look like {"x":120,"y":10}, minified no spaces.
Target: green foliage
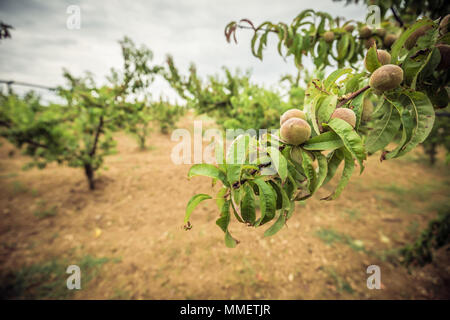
{"x":234,"y":102}
{"x":275,"y":174}
{"x":437,"y":235}
{"x":80,"y":133}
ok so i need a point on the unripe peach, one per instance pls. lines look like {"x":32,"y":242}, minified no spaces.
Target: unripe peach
{"x":383,"y":56}
{"x":349,"y":28}
{"x":381,"y":32}
{"x":369,"y":42}
{"x":295,"y":131}
{"x":292,"y":113}
{"x":345,"y":114}
{"x":365,"y":32}
{"x":444,"y":50}
{"x":411,"y":41}
{"x":444,"y":25}
{"x":328,"y":36}
{"x":386,"y":78}
{"x":389,"y":40}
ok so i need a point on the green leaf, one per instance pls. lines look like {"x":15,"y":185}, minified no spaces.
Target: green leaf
{"x":207,"y":170}
{"x":224,"y":219}
{"x":267,"y":201}
{"x":279,"y":161}
{"x":371,"y":61}
{"x":423,"y":114}
{"x":323,"y":170}
{"x":276,"y":226}
{"x":334,"y":160}
{"x":326,"y":108}
{"x":352,"y":141}
{"x":343,"y":46}
{"x":192,"y":204}
{"x":248,"y":205}
{"x":326,"y":141}
{"x":230,"y":242}
{"x":331,"y":79}
{"x":237,"y":152}
{"x":308,"y":168}
{"x":384,"y":129}
{"x":346,"y":174}
{"x":220,"y":200}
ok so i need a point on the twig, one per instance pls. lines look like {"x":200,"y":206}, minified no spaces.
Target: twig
{"x":353,"y":95}
{"x":397,"y":17}
{"x":97,"y":134}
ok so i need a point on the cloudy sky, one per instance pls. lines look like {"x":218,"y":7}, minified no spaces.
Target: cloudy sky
{"x":192,"y":31}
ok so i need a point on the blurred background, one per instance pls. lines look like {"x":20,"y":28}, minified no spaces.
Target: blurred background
{"x":126,"y":233}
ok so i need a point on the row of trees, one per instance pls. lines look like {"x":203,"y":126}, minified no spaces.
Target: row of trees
{"x":80,"y":132}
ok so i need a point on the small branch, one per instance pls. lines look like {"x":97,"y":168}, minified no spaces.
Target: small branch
{"x":397,"y":17}
{"x":351,"y":96}
{"x":36,"y":144}
{"x":97,"y":135}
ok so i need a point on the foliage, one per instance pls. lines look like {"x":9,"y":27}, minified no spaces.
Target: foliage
{"x":234,"y":102}
{"x":439,"y":136}
{"x":80,"y":133}
{"x":437,"y":235}
{"x":268,"y":171}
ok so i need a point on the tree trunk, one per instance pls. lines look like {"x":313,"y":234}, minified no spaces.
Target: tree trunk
{"x":89,"y":171}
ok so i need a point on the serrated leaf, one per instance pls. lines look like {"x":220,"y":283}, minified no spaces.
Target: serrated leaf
{"x":276,"y":226}
{"x":371,"y":61}
{"x":384,"y":129}
{"x":326,"y":141}
{"x":192,"y":204}
{"x":267,"y":201}
{"x":349,"y":166}
{"x":352,"y":141}
{"x":423,"y":114}
{"x":323,"y":170}
{"x":248,"y":205}
{"x":398,"y":44}
{"x":334,"y":160}
{"x":230,"y":242}
{"x":331,"y":79}
{"x":224,"y":219}
{"x":308,"y":168}
{"x":220,"y":200}
{"x":326,"y":108}
{"x":278,"y":161}
{"x":342,"y":46}
{"x":207,"y":170}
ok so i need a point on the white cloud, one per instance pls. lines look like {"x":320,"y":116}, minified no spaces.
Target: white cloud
{"x":191,"y":31}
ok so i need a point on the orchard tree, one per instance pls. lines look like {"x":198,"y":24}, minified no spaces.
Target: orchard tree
{"x":233,"y":101}
{"x":401,"y":69}
{"x":80,"y":133}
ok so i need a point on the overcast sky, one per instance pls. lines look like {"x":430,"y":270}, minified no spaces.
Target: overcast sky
{"x":191,"y":31}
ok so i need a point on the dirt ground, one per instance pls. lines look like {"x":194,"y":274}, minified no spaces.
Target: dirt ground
{"x":135,"y":220}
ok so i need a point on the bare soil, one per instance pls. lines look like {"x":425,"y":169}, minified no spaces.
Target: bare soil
{"x":136,"y":218}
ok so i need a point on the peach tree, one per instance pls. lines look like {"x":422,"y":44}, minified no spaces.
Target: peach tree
{"x":376,"y":100}
{"x":79,"y":133}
